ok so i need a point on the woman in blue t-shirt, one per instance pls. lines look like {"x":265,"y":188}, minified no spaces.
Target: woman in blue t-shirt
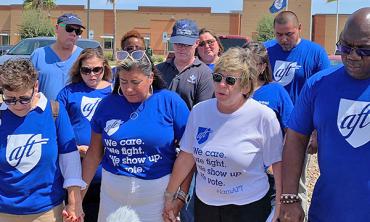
{"x":38,"y":155}
{"x":90,"y":78}
{"x":134,"y":132}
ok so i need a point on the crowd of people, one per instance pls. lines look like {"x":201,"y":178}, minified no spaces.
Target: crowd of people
{"x":207,"y":136}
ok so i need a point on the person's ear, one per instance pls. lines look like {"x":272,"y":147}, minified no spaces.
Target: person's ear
{"x":36,"y":87}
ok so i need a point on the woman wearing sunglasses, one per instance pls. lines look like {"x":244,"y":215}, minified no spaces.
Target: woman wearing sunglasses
{"x":209,"y":48}
{"x":230,"y":139}
{"x":38,"y":154}
{"x":134,"y":132}
{"x":90,"y":78}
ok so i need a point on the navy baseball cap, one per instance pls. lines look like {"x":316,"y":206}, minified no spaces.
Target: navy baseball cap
{"x":70,"y":19}
{"x":185,"y":31}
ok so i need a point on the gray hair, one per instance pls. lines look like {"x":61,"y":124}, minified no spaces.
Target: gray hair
{"x":128,"y":64}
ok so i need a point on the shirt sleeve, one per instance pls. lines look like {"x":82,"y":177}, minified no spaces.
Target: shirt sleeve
{"x":65,"y":134}
{"x":273,"y":142}
{"x":70,"y":167}
{"x":301,"y":119}
{"x":95,"y":120}
{"x":286,"y":107}
{"x":323,"y":62}
{"x":205,"y":89}
{"x":180,"y":113}
{"x":187,"y":140}
{"x":63,"y":97}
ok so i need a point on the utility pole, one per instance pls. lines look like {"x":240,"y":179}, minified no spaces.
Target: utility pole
{"x":88,"y":19}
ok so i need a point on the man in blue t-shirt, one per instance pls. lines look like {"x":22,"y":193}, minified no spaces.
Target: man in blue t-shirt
{"x":293,"y":60}
{"x":336,"y":102}
{"x":53,"y":62}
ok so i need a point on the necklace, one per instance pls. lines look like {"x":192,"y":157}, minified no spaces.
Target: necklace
{"x":135,"y":113}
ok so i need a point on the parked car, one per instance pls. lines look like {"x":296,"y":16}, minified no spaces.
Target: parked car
{"x":4,"y":49}
{"x":229,"y":41}
{"x":26,"y":46}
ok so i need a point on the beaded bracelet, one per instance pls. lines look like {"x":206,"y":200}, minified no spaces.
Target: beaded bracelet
{"x":289,"y":198}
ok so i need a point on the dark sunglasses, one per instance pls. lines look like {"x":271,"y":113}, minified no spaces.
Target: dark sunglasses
{"x":348,"y":49}
{"x":70,"y":29}
{"x":209,"y":42}
{"x":230,"y":80}
{"x":87,"y":71}
{"x":22,"y":99}
{"x":137,"y":55}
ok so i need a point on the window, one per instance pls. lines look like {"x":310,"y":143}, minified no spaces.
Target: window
{"x":107,"y":41}
{"x":5,"y":39}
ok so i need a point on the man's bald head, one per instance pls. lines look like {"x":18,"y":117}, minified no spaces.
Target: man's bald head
{"x":285,"y":17}
{"x":354,"y":38}
{"x":358,"y":23}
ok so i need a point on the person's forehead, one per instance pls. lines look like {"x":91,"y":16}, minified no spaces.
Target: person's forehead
{"x":286,"y":26}
{"x":355,"y":37}
{"x":206,"y":35}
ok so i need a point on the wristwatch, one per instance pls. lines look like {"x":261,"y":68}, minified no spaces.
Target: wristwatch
{"x":181,"y":195}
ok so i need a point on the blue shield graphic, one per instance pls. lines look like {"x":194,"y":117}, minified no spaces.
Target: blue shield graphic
{"x":203,"y":134}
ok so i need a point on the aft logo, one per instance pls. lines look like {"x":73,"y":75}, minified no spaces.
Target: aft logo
{"x":88,"y":106}
{"x":203,"y":134}
{"x":192,"y":79}
{"x":111,"y":126}
{"x":23,"y":151}
{"x":354,"y":122}
{"x":284,"y":71}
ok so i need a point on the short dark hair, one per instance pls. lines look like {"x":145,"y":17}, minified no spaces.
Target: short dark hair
{"x":286,"y":16}
{"x":131,"y":34}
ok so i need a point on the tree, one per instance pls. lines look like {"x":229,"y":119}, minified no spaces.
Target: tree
{"x":265,"y":29}
{"x":39,"y":4}
{"x":35,"y":23}
{"x":113,"y":2}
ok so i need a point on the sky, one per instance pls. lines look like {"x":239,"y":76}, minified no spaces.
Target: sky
{"x":218,"y":6}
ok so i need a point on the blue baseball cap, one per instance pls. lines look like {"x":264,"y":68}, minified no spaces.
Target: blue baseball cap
{"x":185,"y":31}
{"x":70,"y":19}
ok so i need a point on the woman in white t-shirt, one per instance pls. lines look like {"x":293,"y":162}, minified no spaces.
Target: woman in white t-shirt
{"x":230,"y":139}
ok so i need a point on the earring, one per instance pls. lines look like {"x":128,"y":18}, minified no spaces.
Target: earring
{"x":151,"y":89}
{"x":119,"y":90}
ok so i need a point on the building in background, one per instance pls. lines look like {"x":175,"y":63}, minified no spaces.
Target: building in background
{"x":155,"y":23}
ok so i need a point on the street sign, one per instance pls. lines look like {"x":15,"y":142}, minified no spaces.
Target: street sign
{"x":164,"y":37}
{"x":91,"y":34}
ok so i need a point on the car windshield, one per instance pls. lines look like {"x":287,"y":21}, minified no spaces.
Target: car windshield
{"x":87,"y":44}
{"x":232,"y":42}
{"x":27,"y":46}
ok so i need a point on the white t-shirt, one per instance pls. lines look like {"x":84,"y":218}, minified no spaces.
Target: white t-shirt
{"x":231,"y":150}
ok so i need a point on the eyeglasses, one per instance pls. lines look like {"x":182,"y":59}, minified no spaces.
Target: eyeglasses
{"x":70,"y":28}
{"x":137,"y":55}
{"x":210,"y":42}
{"x":230,"y":80}
{"x":22,"y":99}
{"x":348,"y":49}
{"x":87,"y":70}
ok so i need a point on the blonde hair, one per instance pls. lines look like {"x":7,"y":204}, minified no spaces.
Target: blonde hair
{"x":241,"y":60}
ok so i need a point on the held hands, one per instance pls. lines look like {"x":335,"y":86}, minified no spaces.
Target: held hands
{"x":73,"y":213}
{"x":82,"y":149}
{"x":172,"y":207}
{"x":291,"y":212}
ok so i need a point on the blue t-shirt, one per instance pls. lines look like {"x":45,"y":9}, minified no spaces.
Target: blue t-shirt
{"x":53,"y":73}
{"x":31,"y":180}
{"x":338,"y":106}
{"x":276,"y":97}
{"x":81,"y":102}
{"x":292,"y":68}
{"x":142,"y":146}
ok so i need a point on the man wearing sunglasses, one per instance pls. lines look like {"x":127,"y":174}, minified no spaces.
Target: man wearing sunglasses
{"x":336,"y":102}
{"x":53,"y":62}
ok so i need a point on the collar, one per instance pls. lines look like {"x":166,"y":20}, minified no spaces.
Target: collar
{"x":41,"y":103}
{"x":196,"y":62}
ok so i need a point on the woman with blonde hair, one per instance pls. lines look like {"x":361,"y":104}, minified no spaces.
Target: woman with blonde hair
{"x":230,"y":139}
